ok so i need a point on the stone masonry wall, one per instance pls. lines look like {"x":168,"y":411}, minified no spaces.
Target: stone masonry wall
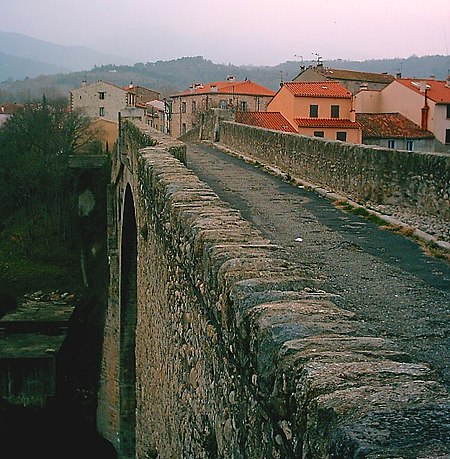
{"x":238,"y":355}
{"x":363,"y":173}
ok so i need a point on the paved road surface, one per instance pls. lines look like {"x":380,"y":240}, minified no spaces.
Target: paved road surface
{"x":395,"y":290}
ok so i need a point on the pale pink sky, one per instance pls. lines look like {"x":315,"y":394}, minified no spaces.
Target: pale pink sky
{"x":238,"y":31}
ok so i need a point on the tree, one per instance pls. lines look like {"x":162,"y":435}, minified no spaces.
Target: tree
{"x":35,"y":146}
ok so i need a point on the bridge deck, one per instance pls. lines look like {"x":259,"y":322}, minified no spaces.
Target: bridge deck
{"x":392,"y":287}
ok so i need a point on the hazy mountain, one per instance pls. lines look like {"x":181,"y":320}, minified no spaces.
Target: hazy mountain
{"x":170,"y":77}
{"x":63,"y":57}
{"x":17,"y":68}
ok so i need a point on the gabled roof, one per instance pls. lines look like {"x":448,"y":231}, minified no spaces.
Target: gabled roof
{"x":326,"y":123}
{"x":354,"y":75}
{"x":158,"y":104}
{"x":437,"y":90}
{"x":331,"y":89}
{"x":228,"y":87}
{"x":390,"y":126}
{"x":266,"y":120}
{"x":350,"y":75}
{"x":101,"y":82}
{"x":134,"y":89}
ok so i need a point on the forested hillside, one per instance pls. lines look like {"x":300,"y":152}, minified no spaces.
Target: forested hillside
{"x":169,"y":77}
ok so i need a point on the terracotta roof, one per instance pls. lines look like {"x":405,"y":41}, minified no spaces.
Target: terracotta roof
{"x":390,"y":125}
{"x":266,"y":120}
{"x":327,"y":123}
{"x":341,"y":74}
{"x":318,"y":89}
{"x":438,"y":91}
{"x":228,"y":87}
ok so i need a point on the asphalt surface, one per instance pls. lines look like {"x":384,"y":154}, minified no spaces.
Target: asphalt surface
{"x":396,"y":291}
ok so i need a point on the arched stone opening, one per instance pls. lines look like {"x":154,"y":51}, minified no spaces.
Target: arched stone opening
{"x":128,"y":307}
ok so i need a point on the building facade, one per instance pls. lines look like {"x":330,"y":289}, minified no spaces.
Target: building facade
{"x":105,"y":100}
{"x":188,"y":107}
{"x":319,"y":109}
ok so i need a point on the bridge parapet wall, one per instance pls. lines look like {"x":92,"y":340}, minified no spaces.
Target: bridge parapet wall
{"x":361,"y":172}
{"x":238,"y":355}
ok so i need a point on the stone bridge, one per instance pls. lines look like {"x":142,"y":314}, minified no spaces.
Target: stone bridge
{"x":216,"y":346}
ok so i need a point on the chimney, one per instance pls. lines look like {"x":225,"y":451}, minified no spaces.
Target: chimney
{"x":398,"y":75}
{"x":83,"y":83}
{"x":447,"y":84}
{"x":425,"y":109}
{"x":424,"y":119}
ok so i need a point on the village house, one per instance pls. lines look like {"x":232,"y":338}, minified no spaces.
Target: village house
{"x":156,"y":115}
{"x":188,"y":106}
{"x":105,"y":100}
{"x":319,"y":109}
{"x":426,"y":102}
{"x":353,"y":80}
{"x":393,"y":130}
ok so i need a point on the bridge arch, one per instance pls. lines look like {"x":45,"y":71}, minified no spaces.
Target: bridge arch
{"x":128,"y":314}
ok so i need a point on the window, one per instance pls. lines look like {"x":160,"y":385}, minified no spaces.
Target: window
{"x":448,"y":111}
{"x":101,"y":95}
{"x":183,"y":107}
{"x":391,"y":143}
{"x":313,"y":111}
{"x":101,"y":112}
{"x":243,"y":106}
{"x":194,"y":106}
{"x":319,"y":134}
{"x":223,"y":104}
{"x":183,"y":129}
{"x":410,"y":145}
{"x":447,"y":136}
{"x":335,"y":111}
{"x":342,"y":136}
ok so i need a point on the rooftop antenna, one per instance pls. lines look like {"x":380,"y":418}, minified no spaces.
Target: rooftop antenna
{"x":281,"y":78}
{"x":319,"y":59}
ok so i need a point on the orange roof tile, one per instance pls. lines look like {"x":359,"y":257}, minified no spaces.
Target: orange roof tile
{"x":390,"y":125}
{"x":438,"y":91}
{"x":228,"y":87}
{"x":266,"y":120}
{"x":318,"y":89}
{"x":327,"y":123}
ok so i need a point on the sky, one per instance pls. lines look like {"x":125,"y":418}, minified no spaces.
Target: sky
{"x":254,"y":32}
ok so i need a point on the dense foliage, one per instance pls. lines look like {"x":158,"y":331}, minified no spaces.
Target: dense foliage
{"x":38,"y":194}
{"x":35,"y":147}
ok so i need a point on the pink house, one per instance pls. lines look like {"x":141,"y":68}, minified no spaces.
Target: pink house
{"x":320,"y":109}
{"x":426,"y":102}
